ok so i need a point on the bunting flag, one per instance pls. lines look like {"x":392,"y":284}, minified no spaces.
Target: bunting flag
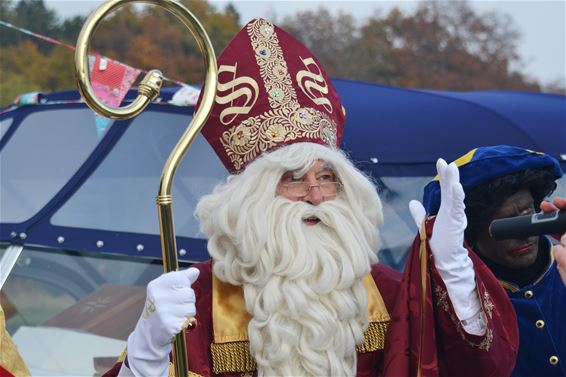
{"x":102,"y":124}
{"x":58,"y":43}
{"x":186,"y":96}
{"x":31,"y":98}
{"x":110,"y":81}
{"x":35,"y":35}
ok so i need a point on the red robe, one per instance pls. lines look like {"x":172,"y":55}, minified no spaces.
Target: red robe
{"x":430,"y":341}
{"x":447,"y":350}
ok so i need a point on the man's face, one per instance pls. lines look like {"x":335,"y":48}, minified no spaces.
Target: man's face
{"x":317,"y":185}
{"x":515,"y":253}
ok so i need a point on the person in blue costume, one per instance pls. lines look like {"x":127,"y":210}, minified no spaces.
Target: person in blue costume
{"x":506,"y":181}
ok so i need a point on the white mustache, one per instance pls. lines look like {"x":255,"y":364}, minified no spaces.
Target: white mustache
{"x":326,"y":212}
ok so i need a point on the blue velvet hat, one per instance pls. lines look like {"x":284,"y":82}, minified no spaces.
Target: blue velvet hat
{"x":486,"y":163}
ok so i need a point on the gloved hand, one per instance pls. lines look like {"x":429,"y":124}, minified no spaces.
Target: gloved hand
{"x":170,"y":300}
{"x":447,"y":242}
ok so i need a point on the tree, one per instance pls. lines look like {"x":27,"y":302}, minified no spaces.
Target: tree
{"x":374,"y":51}
{"x":231,"y":10}
{"x":438,"y":46}
{"x":556,"y":86}
{"x":18,"y":67}
{"x":70,"y":28}
{"x":153,"y":38}
{"x":7,"y":15}
{"x":24,"y":68}
{"x":144,"y":38}
{"x":449,"y":46}
{"x":331,"y":39}
{"x":34,"y":15}
{"x":6,"y":10}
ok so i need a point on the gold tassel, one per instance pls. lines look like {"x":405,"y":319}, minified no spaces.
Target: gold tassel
{"x":374,"y":337}
{"x":236,"y":356}
{"x":232,"y":357}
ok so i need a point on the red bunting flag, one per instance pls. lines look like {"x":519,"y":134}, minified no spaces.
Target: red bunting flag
{"x":110,"y":81}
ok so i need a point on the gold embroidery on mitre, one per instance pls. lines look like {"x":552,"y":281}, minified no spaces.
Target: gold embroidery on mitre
{"x":287,"y":120}
{"x":272,"y":66}
{"x":238,"y":87}
{"x":312,"y":82}
{"x":258,"y":134}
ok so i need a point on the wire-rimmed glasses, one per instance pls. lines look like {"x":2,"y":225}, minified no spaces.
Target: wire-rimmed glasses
{"x":302,"y":188}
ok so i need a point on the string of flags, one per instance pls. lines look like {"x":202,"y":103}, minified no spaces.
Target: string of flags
{"x":110,"y":80}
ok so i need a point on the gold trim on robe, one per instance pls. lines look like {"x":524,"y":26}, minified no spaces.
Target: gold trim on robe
{"x":10,"y":359}
{"x":230,"y":349}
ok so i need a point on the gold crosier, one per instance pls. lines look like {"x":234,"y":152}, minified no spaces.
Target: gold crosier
{"x":148,"y":90}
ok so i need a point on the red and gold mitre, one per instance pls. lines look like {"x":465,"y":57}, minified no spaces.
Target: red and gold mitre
{"x":272,"y":92}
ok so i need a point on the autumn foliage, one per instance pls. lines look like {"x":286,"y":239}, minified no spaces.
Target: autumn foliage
{"x":438,"y":45}
{"x":145,"y":38}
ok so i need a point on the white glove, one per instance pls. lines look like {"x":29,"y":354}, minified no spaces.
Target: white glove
{"x":447,"y":243}
{"x":170,"y":300}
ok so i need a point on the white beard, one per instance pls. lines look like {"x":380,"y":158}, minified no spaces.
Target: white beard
{"x":303,"y":287}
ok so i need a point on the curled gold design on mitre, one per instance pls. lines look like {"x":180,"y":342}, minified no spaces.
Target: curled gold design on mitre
{"x":242,"y":89}
{"x":261,"y":133}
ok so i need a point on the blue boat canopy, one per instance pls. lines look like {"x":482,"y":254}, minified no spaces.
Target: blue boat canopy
{"x":65,"y":186}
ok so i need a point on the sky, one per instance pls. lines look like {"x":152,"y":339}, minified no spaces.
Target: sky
{"x":542,"y":24}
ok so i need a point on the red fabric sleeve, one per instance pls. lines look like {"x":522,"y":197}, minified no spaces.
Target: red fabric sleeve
{"x":388,"y":282}
{"x":200,"y":337}
{"x":435,"y":343}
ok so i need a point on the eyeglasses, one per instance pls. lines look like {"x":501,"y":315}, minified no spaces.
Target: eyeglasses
{"x":302,"y":188}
